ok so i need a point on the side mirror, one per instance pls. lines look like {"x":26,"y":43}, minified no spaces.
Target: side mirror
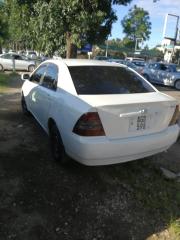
{"x":25,"y":76}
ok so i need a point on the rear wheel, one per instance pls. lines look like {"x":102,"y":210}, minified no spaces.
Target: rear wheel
{"x":24,"y":106}
{"x":57,"y":147}
{"x":177,"y":84}
{"x":1,"y":68}
{"x":31,"y":68}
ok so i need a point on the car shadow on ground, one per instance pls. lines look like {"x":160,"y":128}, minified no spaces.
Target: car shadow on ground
{"x":40,"y":199}
{"x":164,"y":88}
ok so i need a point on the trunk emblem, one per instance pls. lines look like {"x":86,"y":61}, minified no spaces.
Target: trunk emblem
{"x":144,"y":111}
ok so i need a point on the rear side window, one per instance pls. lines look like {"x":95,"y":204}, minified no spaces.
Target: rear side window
{"x":107,"y":80}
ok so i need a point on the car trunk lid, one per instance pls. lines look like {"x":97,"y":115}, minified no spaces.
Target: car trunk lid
{"x":130,"y":115}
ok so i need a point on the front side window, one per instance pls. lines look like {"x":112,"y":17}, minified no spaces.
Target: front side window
{"x":39,"y":74}
{"x":163,"y":67}
{"x":92,"y":80}
{"x":51,"y":76}
{"x":17,"y":57}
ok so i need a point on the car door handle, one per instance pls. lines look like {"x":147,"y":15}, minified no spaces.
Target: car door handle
{"x":131,"y":114}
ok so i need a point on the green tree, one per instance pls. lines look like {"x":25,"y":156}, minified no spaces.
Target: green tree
{"x":50,"y":25}
{"x":136,"y":25}
{"x":17,"y":20}
{"x":75,"y":23}
{"x":70,"y":22}
{"x":3,"y":27}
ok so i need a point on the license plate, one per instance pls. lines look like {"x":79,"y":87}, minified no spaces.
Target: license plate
{"x":141,"y":123}
{"x":138,"y":123}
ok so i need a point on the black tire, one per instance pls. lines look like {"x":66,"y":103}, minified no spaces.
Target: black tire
{"x":24,"y":106}
{"x":177,"y":84}
{"x":146,"y":77}
{"x":1,"y":68}
{"x":57,"y":147}
{"x":31,"y":68}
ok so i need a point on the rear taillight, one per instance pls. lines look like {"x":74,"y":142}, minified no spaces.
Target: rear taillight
{"x":175,"y":116}
{"x":89,"y":124}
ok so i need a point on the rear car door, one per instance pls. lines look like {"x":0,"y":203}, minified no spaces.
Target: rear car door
{"x":46,"y":93}
{"x":20,"y":64}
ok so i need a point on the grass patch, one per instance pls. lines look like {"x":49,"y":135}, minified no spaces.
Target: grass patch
{"x":160,"y":198}
{"x":5,"y":78}
{"x":174,"y":229}
{"x":156,"y":197}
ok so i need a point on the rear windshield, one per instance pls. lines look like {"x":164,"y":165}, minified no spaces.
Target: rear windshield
{"x":92,"y":80}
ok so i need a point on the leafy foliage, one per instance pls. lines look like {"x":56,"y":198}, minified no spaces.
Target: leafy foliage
{"x":3,"y":27}
{"x":50,"y":25}
{"x":136,"y":25}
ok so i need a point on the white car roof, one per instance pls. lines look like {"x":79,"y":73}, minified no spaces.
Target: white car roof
{"x":84,"y":62}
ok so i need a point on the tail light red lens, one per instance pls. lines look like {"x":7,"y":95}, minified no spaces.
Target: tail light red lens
{"x":89,"y":124}
{"x":175,"y":116}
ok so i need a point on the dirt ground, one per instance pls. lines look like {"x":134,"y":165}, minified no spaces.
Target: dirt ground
{"x":41,"y":200}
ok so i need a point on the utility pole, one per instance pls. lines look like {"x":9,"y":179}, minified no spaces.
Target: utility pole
{"x":106,"y":54}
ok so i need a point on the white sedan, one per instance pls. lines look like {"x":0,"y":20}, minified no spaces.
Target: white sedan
{"x":99,"y":113}
{"x":20,"y":62}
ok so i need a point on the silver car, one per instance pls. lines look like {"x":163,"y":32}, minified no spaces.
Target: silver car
{"x":21,"y":62}
{"x":162,"y":73}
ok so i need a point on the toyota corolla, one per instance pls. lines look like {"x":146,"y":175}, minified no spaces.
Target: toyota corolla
{"x":99,"y":113}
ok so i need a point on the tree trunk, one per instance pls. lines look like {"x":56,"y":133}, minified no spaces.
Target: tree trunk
{"x":71,"y":49}
{"x":0,"y":49}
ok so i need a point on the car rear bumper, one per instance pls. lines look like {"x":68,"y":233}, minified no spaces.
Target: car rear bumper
{"x":101,"y":151}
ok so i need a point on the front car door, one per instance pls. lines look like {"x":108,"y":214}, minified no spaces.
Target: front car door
{"x":32,"y":89}
{"x":47,"y":92}
{"x":153,"y":71}
{"x":162,"y":73}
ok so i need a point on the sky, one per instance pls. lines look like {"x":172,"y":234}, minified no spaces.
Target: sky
{"x":157,"y":12}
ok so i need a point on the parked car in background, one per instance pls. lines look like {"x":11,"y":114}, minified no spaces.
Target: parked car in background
{"x":134,"y":59}
{"x":139,"y":64}
{"x":21,"y":52}
{"x":162,"y":73}
{"x":31,"y":54}
{"x":98,"y":112}
{"x":102,"y":58}
{"x":12,"y":51}
{"x":4,"y":50}
{"x":127,"y":63}
{"x":116,"y":60}
{"x":21,"y":62}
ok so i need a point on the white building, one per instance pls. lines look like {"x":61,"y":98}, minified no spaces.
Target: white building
{"x":167,"y":47}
